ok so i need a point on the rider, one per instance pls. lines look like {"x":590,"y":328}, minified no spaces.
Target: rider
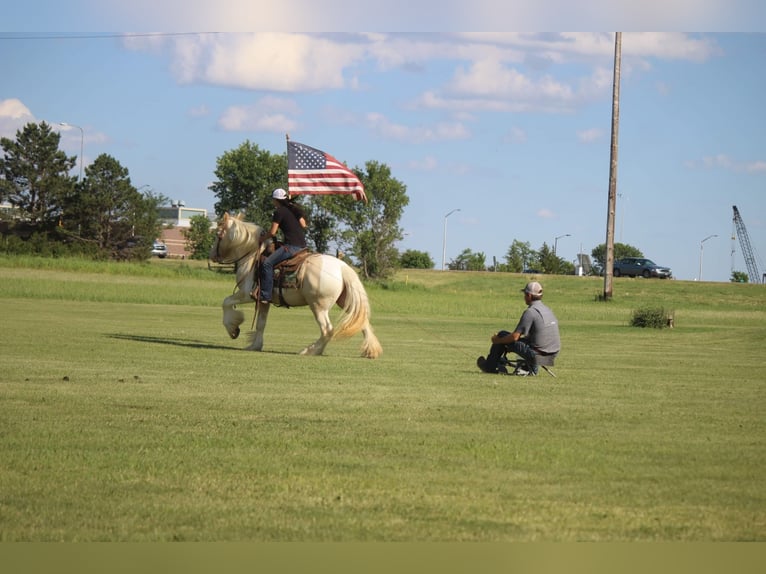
{"x":289,"y":217}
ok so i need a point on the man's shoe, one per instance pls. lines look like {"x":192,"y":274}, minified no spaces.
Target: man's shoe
{"x":265,"y":302}
{"x":524,"y":372}
{"x":481,"y":362}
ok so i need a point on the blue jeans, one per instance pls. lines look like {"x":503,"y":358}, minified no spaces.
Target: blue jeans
{"x":520,"y":347}
{"x":267,"y":268}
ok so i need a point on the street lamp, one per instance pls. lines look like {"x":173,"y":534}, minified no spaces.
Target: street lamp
{"x":82,"y":142}
{"x":444,"y":242}
{"x":556,"y":241}
{"x":702,"y":243}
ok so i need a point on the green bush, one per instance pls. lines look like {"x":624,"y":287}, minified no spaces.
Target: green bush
{"x":656,"y":317}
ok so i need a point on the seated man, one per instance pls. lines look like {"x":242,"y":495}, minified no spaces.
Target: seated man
{"x":536,"y":334}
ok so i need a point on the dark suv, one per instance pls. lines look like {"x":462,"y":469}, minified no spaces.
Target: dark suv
{"x":635,"y":266}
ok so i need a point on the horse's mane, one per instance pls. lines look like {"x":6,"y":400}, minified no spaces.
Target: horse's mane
{"x":240,"y":239}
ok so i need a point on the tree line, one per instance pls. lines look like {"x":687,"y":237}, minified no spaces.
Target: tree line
{"x":104,"y":215}
{"x":521,"y":258}
{"x":53,"y":213}
{"x":365,"y":232}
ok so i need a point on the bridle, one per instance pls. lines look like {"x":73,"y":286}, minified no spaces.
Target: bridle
{"x":217,"y":256}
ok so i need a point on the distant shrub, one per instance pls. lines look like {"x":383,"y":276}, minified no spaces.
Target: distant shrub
{"x":656,"y":317}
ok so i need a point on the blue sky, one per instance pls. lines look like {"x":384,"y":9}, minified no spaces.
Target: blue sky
{"x":512,"y":129}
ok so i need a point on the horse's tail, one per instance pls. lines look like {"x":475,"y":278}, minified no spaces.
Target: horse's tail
{"x":356,"y":314}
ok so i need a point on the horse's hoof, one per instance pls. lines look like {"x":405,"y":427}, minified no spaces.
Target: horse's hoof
{"x":235,"y":334}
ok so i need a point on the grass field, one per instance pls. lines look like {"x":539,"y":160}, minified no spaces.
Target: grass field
{"x":127,"y":414}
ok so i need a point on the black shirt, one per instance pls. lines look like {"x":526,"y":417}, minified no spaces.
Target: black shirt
{"x":290,"y":226}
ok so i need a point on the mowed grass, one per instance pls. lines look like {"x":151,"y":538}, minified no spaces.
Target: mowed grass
{"x":127,"y":414}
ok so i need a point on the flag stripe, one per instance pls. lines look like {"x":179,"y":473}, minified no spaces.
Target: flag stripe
{"x":312,"y":171}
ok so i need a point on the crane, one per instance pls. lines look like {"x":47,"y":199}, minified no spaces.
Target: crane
{"x":747,"y":251}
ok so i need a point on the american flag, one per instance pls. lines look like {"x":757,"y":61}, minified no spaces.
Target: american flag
{"x":314,"y":172}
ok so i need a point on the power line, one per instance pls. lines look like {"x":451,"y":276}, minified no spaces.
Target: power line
{"x":107,"y":35}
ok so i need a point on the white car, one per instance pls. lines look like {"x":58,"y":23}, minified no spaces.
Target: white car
{"x":160,"y":249}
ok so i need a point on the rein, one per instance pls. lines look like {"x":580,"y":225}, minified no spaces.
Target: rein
{"x":218,"y":258}
{"x":236,"y":261}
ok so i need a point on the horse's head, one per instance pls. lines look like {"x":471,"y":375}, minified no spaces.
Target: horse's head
{"x":234,"y":239}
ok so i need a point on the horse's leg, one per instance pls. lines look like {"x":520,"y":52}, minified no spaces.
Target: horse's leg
{"x":322,"y":316}
{"x":232,"y":317}
{"x":256,"y":338}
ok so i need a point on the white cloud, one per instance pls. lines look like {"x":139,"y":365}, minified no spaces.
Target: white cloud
{"x":590,"y":135}
{"x":546,"y":213}
{"x":720,"y":160}
{"x":494,"y":72}
{"x":669,"y":46}
{"x":298,"y":61}
{"x":199,"y":111}
{"x":14,"y":109}
{"x":562,"y":47}
{"x":491,"y":86}
{"x":418,"y":134}
{"x":269,"y":114}
{"x":515,"y":135}
{"x":723,"y":161}
{"x":14,"y":115}
{"x":428,"y":163}
{"x":272,"y":62}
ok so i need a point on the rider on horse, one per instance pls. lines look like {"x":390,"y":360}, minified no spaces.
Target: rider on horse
{"x":289,"y":217}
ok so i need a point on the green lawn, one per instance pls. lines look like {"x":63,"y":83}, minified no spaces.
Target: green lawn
{"x":127,"y":414}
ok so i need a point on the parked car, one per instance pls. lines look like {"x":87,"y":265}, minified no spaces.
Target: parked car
{"x":635,"y":266}
{"x":160,"y":249}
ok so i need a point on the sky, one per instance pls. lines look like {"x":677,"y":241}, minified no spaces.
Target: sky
{"x":497,"y":136}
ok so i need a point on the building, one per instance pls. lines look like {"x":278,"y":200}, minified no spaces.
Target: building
{"x":175,"y":218}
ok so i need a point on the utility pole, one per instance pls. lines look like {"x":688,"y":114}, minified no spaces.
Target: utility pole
{"x":609,"y":259}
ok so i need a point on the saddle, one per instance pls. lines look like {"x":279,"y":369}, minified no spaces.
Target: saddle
{"x":285,"y":273}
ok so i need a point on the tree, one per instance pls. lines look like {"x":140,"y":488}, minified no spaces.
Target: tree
{"x":468,"y":261}
{"x":100,"y":203}
{"x":551,"y":263}
{"x":739,"y":277}
{"x":371,"y":229}
{"x":412,"y":259}
{"x":35,"y":174}
{"x":322,"y":226}
{"x":546,"y":260}
{"x":520,"y":256}
{"x":246,"y":178}
{"x":146,"y":225}
{"x":368,"y":231}
{"x":566,"y":267}
{"x":106,"y":209}
{"x":621,"y":250}
{"x":199,"y":237}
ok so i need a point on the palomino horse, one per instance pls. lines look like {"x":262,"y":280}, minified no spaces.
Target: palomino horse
{"x":323,"y":280}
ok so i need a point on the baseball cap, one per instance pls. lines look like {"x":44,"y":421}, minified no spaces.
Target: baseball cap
{"x":533,"y":288}
{"x":279,"y":193}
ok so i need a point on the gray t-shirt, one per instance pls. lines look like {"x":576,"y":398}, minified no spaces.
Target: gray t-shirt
{"x":540,"y":327}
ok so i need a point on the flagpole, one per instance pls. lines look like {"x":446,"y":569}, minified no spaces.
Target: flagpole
{"x":287,"y":142}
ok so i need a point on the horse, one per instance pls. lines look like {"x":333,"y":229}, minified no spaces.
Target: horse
{"x":322,"y":281}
